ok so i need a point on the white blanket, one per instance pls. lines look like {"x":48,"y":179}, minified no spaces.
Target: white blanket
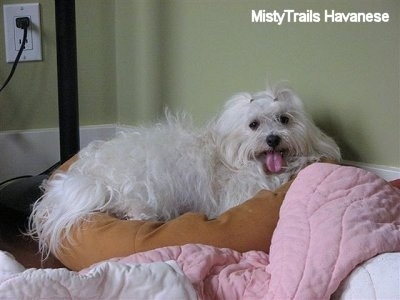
{"x":107,"y":280}
{"x":333,"y":220}
{"x":377,"y":278}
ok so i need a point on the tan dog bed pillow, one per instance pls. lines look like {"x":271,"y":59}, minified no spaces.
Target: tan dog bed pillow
{"x":246,"y":227}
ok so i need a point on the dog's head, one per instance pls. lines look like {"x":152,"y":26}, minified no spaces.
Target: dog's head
{"x":271,"y":127}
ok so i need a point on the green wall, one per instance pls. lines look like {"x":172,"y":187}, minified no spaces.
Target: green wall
{"x":30,"y":99}
{"x":136,"y":56}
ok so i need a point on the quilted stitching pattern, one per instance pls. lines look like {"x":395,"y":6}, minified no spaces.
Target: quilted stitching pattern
{"x":333,"y":219}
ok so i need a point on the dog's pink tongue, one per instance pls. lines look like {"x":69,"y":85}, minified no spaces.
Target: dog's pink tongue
{"x":274,"y":161}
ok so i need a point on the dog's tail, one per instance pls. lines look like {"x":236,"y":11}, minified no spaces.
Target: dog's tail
{"x":67,"y":200}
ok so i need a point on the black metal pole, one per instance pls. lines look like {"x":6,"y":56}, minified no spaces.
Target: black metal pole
{"x":68,"y":108}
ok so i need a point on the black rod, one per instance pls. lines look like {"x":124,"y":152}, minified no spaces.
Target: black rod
{"x":68,"y":108}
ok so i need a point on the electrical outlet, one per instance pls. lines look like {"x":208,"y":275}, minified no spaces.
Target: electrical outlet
{"x":14,"y":35}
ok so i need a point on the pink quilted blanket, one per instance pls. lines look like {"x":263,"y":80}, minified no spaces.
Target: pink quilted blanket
{"x":333,"y":219}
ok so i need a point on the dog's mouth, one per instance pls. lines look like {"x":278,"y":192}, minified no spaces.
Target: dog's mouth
{"x":273,"y":160}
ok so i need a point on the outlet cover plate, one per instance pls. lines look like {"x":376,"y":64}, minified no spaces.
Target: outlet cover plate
{"x":14,"y":35}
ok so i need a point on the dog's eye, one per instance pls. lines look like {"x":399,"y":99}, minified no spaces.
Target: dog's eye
{"x":254,"y":125}
{"x":283,"y":119}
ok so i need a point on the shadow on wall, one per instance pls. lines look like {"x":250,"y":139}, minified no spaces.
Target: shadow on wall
{"x":161,"y":61}
{"x":327,"y":123}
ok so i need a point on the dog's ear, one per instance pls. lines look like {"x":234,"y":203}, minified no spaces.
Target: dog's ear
{"x":240,"y":99}
{"x":285,"y":94}
{"x":234,"y":109}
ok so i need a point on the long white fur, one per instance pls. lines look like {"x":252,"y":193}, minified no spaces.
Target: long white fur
{"x":171,"y":168}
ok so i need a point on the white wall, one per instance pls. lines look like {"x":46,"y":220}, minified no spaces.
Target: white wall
{"x":31,"y":152}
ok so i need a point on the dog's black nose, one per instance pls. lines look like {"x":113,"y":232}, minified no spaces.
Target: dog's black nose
{"x":273,"y":140}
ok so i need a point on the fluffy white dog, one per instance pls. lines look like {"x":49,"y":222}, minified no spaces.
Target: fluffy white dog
{"x":259,"y":141}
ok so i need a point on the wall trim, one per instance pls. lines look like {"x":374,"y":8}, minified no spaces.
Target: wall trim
{"x":29,"y":152}
{"x":386,"y":172}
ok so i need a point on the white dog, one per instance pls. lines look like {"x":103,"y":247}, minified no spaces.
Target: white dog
{"x":258,"y":142}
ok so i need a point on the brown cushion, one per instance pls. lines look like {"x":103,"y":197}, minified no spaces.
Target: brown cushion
{"x":246,"y":227}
